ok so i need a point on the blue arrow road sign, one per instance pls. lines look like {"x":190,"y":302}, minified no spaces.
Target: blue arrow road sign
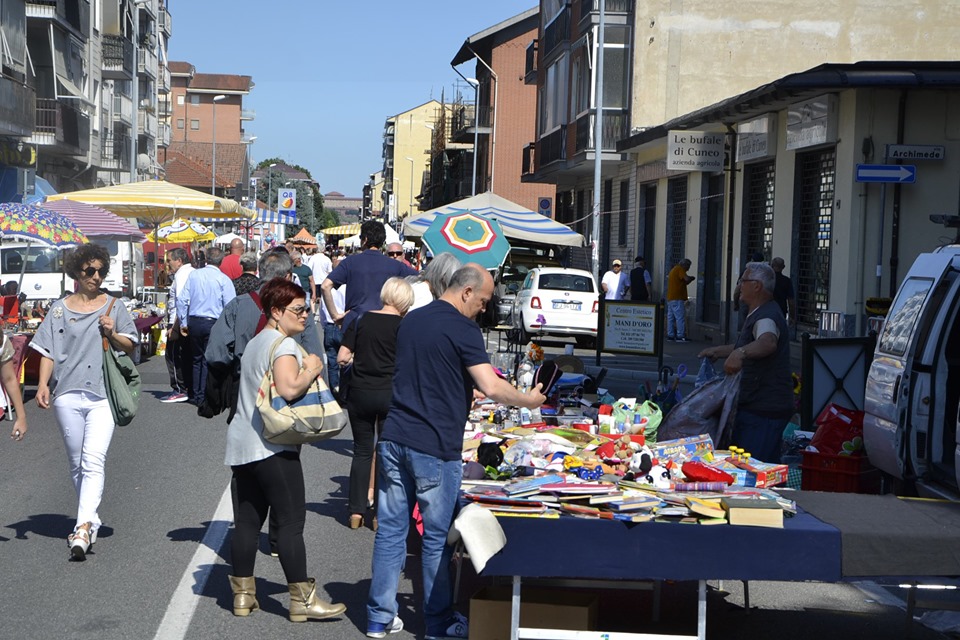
{"x":896,"y":173}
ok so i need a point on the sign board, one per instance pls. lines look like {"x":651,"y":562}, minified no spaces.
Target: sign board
{"x":695,"y":151}
{"x":889,"y":173}
{"x":915,"y":152}
{"x":545,"y":207}
{"x":757,"y":138}
{"x":287,"y":201}
{"x":812,"y":122}
{"x":17,"y":154}
{"x":628,"y":327}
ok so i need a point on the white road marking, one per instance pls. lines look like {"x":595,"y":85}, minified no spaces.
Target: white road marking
{"x":186,"y":597}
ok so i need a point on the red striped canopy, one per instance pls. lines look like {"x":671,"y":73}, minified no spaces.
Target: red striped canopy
{"x":95,"y":222}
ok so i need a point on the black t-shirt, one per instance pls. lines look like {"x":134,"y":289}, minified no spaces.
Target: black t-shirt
{"x":373,"y":340}
{"x":638,"y":284}
{"x":304,"y":272}
{"x":783,"y":291}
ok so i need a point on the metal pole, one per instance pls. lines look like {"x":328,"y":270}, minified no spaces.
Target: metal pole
{"x":135,"y":92}
{"x":598,"y":146}
{"x":213,"y":174}
{"x":476,"y":131}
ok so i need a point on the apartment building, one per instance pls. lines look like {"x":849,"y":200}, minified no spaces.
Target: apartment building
{"x":207,"y":119}
{"x":406,"y":156}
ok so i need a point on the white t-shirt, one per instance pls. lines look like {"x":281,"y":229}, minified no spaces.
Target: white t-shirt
{"x":321,"y":266}
{"x":612,"y":281}
{"x":179,"y":280}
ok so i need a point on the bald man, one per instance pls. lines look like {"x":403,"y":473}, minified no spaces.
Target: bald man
{"x":231,"y":262}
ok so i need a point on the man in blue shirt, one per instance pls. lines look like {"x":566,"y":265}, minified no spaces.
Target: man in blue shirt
{"x":364,"y":274}
{"x":205,"y":294}
{"x":441,"y":356}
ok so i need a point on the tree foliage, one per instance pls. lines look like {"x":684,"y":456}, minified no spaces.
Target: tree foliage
{"x":311,"y":213}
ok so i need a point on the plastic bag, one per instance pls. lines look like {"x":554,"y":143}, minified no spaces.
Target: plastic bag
{"x":706,"y":373}
{"x":709,"y":410}
{"x":839,"y":431}
{"x":654,"y":416}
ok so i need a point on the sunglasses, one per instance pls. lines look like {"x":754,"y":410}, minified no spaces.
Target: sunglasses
{"x":300,"y":310}
{"x":89,"y":271}
{"x":394,"y":254}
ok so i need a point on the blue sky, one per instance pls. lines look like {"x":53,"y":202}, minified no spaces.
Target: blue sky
{"x":328,"y":73}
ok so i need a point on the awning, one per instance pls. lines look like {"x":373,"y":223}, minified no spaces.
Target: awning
{"x":342,"y":230}
{"x":263,"y":215}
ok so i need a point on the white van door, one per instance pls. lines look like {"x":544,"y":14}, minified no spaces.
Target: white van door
{"x":899,"y":385}
{"x":42,"y":268}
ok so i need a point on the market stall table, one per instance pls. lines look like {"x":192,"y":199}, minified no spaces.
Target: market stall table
{"x":833,"y":536}
{"x":144,"y":325}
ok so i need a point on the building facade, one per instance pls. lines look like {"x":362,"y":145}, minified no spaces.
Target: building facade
{"x":406,"y":152}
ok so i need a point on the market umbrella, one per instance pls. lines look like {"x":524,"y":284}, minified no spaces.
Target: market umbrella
{"x":469,"y":237}
{"x":227,"y":238}
{"x":96,"y":222}
{"x":303,"y":237}
{"x":181,"y":231}
{"x":158,"y":201}
{"x":35,"y":225}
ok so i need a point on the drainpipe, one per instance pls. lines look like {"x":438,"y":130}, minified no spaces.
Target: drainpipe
{"x":731,"y":215}
{"x":895,"y":228}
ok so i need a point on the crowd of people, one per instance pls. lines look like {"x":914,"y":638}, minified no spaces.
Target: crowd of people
{"x":402,"y":350}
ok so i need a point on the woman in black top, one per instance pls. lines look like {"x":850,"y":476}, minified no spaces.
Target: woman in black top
{"x":370,"y":345}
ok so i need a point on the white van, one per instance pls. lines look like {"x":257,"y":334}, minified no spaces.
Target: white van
{"x":126,"y":267}
{"x":42,"y":268}
{"x":913,"y":388}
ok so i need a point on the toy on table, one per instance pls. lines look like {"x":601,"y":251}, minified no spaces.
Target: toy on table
{"x":699,"y":472}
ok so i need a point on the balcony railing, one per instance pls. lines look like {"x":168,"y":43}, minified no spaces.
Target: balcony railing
{"x":165,"y":22}
{"x":163,"y":79}
{"x":122,"y":108}
{"x":117,"y":58}
{"x":147,"y":62}
{"x":248,"y":114}
{"x":164,"y":134}
{"x":164,"y":108}
{"x":59,"y":124}
{"x":610,"y":6}
{"x":17,"y":107}
{"x":553,"y":147}
{"x":614,"y":128}
{"x":147,"y":123}
{"x":115,"y":151}
{"x":528,"y":160}
{"x":556,"y":32}
{"x":530,"y":66}
{"x":468,"y":116}
{"x":71,"y":13}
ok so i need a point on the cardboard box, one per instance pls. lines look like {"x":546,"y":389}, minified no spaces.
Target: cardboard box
{"x":539,"y":608}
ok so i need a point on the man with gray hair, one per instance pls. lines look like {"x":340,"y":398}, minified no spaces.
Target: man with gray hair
{"x":248,"y":280}
{"x":178,"y":355}
{"x":762,"y":354}
{"x":434,"y":279}
{"x":441,"y":357}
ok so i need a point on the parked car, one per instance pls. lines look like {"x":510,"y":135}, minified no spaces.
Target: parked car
{"x":557,"y":302}
{"x":912,"y":391}
{"x":509,"y":279}
{"x":41,"y":269}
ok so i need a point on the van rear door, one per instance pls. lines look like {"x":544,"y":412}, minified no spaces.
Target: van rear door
{"x":897,"y":421}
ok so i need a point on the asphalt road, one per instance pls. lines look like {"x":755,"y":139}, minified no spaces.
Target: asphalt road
{"x":159,"y":568}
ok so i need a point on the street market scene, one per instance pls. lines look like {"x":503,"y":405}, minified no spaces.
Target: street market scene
{"x":642,"y":321}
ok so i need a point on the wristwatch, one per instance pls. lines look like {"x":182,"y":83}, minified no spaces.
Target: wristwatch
{"x":743,"y":352}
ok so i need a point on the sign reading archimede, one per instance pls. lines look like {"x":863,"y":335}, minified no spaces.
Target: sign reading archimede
{"x":695,"y":151}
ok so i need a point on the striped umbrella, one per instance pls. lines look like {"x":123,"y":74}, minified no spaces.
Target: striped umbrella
{"x":96,"y":222}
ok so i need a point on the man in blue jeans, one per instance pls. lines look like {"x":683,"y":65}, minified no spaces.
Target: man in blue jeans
{"x":441,"y":356}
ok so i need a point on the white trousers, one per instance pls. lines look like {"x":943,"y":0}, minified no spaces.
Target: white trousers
{"x":87,"y":426}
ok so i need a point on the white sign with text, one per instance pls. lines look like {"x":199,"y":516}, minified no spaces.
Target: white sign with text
{"x":695,"y":151}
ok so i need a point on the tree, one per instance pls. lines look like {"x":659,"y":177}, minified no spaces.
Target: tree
{"x":311,"y":214}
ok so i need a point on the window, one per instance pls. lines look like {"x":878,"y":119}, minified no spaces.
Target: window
{"x":555,"y":95}
{"x":565,"y":282}
{"x":179,"y":123}
{"x":904,"y":315}
{"x":180,"y":101}
{"x":816,"y":173}
{"x":676,"y":220}
{"x":194,"y":100}
{"x":195,"y":125}
{"x":711,"y":256}
{"x":758,"y":218}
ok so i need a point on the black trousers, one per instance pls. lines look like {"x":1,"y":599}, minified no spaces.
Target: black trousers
{"x":275,"y":483}
{"x":367,"y":410}
{"x":179,"y":361}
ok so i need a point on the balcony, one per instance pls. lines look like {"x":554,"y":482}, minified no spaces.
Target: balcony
{"x":588,"y":7}
{"x":165,"y":23}
{"x":528,"y":161}
{"x":464,"y":122}
{"x":163,"y":79}
{"x":614,"y":124}
{"x":147,"y":123}
{"x":555,"y":33}
{"x":117,"y":58}
{"x":552,"y":147}
{"x":247,"y":114}
{"x":62,"y":126}
{"x":18,"y":104}
{"x":530,"y":67}
{"x":115,"y":151}
{"x":123,"y":109}
{"x":164,"y":134}
{"x":147,"y":63}
{"x":164,"y":108}
{"x":71,"y":14}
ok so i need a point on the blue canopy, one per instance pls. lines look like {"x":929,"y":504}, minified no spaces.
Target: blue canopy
{"x":518,"y":223}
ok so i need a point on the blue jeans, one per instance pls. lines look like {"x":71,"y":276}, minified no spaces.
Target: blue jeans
{"x":331,"y":344}
{"x":758,"y":435}
{"x":676,"y":319}
{"x":199,"y":335}
{"x":407,"y":477}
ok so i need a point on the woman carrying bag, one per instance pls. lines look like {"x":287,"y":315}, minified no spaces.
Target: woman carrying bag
{"x":370,"y":345}
{"x":267,"y":475}
{"x":70,"y":343}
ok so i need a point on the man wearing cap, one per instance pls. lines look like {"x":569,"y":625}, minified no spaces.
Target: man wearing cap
{"x":613,"y":282}
{"x":640,"y":281}
{"x":677,"y":282}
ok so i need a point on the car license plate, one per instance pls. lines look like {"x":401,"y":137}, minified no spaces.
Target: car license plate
{"x":567,"y":306}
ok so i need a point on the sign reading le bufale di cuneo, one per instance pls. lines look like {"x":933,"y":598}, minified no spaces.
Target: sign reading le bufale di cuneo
{"x":695,"y":151}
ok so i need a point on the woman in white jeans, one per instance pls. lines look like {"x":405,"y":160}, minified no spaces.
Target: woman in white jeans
{"x":70,"y":342}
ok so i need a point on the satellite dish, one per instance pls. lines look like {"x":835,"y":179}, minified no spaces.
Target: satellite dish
{"x":143,"y":162}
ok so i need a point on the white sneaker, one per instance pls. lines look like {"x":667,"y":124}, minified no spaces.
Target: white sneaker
{"x":378,"y":630}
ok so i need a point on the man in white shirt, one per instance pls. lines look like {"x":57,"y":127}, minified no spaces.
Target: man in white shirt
{"x":321,"y":266}
{"x":612,"y":282}
{"x":332,"y":335}
{"x":178,"y":355}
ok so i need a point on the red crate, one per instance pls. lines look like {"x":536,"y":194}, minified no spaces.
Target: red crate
{"x":838,"y":474}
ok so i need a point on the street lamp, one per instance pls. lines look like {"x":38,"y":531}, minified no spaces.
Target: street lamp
{"x":476,"y":130}
{"x":135,"y":89}
{"x":270,"y":185}
{"x":410,"y":210}
{"x":213,"y":175}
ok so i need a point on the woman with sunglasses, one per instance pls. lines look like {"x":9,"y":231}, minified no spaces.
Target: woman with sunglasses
{"x":70,"y":344}
{"x":269,"y":476}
